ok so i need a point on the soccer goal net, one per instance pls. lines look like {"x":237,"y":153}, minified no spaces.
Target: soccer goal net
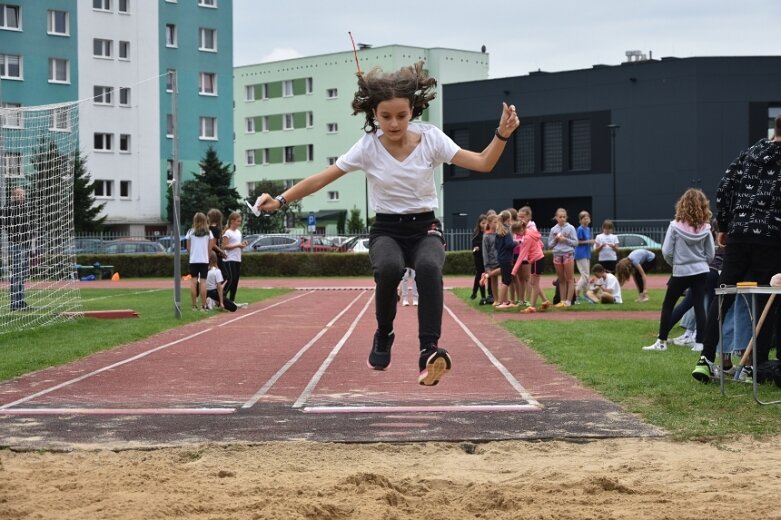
{"x":37,"y":147}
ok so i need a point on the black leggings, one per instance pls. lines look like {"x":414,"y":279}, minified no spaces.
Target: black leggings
{"x":397,"y":244}
{"x":233,"y":270}
{"x":676,"y":286}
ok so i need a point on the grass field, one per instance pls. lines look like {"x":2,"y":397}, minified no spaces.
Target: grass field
{"x":50,"y":346}
{"x":606,"y":355}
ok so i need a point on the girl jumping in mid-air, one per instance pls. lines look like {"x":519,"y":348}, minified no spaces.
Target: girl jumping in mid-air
{"x":399,"y":157}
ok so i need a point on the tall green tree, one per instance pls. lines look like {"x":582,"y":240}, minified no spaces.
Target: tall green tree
{"x":85,"y":211}
{"x":209,"y":188}
{"x":355,"y":224}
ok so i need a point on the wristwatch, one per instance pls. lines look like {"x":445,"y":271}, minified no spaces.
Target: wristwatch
{"x":282,"y":201}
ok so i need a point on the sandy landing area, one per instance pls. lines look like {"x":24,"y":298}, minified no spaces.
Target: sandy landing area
{"x":603,"y":479}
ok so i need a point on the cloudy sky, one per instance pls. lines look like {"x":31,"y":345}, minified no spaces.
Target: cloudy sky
{"x":520,"y":35}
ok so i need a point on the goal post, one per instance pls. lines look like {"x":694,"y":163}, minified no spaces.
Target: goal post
{"x":38,"y":146}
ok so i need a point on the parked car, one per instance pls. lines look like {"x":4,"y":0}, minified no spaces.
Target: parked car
{"x":129,"y":246}
{"x":168,"y":241}
{"x":338,"y":240}
{"x":636,"y":241}
{"x":275,"y":244}
{"x":87,"y":245}
{"x":355,"y":245}
{"x":318,"y":245}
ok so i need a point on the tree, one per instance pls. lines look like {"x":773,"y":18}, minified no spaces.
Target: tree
{"x":85,"y":211}
{"x":272,"y":223}
{"x":355,"y":224}
{"x":209,"y":189}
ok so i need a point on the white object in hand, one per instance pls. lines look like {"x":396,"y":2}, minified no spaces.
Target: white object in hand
{"x":776,"y":280}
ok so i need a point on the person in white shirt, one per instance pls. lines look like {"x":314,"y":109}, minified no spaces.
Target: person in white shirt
{"x":603,"y":286}
{"x":215,"y":287}
{"x":200,"y":242}
{"x":232,"y":244}
{"x":398,"y":157}
{"x":606,"y":244}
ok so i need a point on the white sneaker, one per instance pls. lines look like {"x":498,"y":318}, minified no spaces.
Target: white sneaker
{"x":210,"y":304}
{"x":252,"y":208}
{"x":415,"y":303}
{"x":697,"y":347}
{"x":405,"y":303}
{"x":658,"y":345}
{"x":241,"y":305}
{"x":685,"y":339}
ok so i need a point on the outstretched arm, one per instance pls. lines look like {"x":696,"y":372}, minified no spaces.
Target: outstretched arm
{"x":301,"y":189}
{"x":486,"y":160}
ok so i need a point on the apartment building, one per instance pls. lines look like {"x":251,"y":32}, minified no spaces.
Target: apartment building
{"x":121,"y":59}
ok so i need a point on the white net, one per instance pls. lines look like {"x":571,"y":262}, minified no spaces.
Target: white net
{"x":37,"y":147}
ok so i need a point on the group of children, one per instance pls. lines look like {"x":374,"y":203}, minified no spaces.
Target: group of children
{"x":509,"y":261}
{"x":215,"y":260}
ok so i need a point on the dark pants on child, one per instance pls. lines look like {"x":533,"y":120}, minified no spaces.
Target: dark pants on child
{"x":744,"y":261}
{"x":233,"y":270}
{"x":401,"y":241}
{"x":227,"y":304}
{"x":675,"y":288}
{"x":638,"y":278}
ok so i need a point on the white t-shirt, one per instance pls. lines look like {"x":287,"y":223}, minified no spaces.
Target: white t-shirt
{"x":612,"y":285}
{"x":213,"y":278}
{"x":401,"y":186}
{"x":199,"y":247}
{"x":232,"y":237}
{"x":606,"y":253}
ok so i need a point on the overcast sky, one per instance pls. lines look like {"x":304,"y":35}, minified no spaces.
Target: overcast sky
{"x":520,"y":35}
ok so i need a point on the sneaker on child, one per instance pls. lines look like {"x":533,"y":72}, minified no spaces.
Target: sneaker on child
{"x":697,"y":347}
{"x":658,"y":345}
{"x":434,"y":362}
{"x":704,"y":370}
{"x":685,"y":339}
{"x":210,"y":304}
{"x":380,"y":356}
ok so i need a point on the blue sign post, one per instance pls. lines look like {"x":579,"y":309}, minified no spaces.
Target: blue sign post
{"x":311,"y":222}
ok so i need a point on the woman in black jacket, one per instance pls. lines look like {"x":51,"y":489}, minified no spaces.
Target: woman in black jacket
{"x":477,"y":253}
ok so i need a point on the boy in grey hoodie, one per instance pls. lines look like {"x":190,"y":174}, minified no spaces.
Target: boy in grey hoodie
{"x":688,"y":247}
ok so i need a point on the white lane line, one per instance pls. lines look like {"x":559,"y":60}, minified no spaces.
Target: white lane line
{"x":319,"y":374}
{"x":119,"y":411}
{"x":426,"y":408}
{"x":131,"y":359}
{"x":249,"y":314}
{"x":271,"y":382}
{"x":498,"y":364}
{"x":100,"y":370}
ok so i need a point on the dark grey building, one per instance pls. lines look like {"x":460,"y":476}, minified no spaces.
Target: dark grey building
{"x":679,"y":123}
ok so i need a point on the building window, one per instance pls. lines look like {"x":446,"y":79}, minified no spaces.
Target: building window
{"x":10,"y":66}
{"x":461,"y":138}
{"x":772,"y":113}
{"x":170,"y":79}
{"x":170,"y":35}
{"x":60,"y":119}
{"x":124,"y":143}
{"x":310,"y":152}
{"x":264,"y":91}
{"x":207,"y":3}
{"x":10,"y":17}
{"x":249,"y":125}
{"x":250,"y":157}
{"x":289,"y":154}
{"x":208,"y":84}
{"x":102,"y":95}
{"x":332,"y":93}
{"x":249,"y":93}
{"x":11,"y":115}
{"x":287,"y":88}
{"x":101,"y":48}
{"x":101,"y":5}
{"x":103,"y":142}
{"x":207,"y":39}
{"x":264,"y":124}
{"x":551,"y":146}
{"x":59,"y":70}
{"x":124,"y":96}
{"x":124,"y":189}
{"x":580,"y":144}
{"x":524,"y":142}
{"x":287,"y":122}
{"x":124,"y":50}
{"x":169,"y":125}
{"x":332,"y":128}
{"x":331,"y":160}
{"x":265,"y":156}
{"x":103,"y":189}
{"x":309,"y":85}
{"x":123,"y":6}
{"x":333,"y":196}
{"x":59,"y":23}
{"x":13,"y":164}
{"x":208,"y":128}
{"x":310,"y":119}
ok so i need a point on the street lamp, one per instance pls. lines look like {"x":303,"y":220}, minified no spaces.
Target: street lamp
{"x":613,"y":128}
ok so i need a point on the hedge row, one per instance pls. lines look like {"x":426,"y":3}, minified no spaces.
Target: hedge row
{"x":292,"y":264}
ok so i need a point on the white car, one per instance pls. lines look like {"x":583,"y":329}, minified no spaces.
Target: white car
{"x":361,"y":246}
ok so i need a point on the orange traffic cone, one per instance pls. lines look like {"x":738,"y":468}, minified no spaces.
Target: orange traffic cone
{"x":115,"y":277}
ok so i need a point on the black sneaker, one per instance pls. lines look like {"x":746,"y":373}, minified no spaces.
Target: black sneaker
{"x":483,"y":301}
{"x":434,"y":363}
{"x":489,"y":300}
{"x":473,"y":296}
{"x":704,"y":370}
{"x":380,"y":356}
